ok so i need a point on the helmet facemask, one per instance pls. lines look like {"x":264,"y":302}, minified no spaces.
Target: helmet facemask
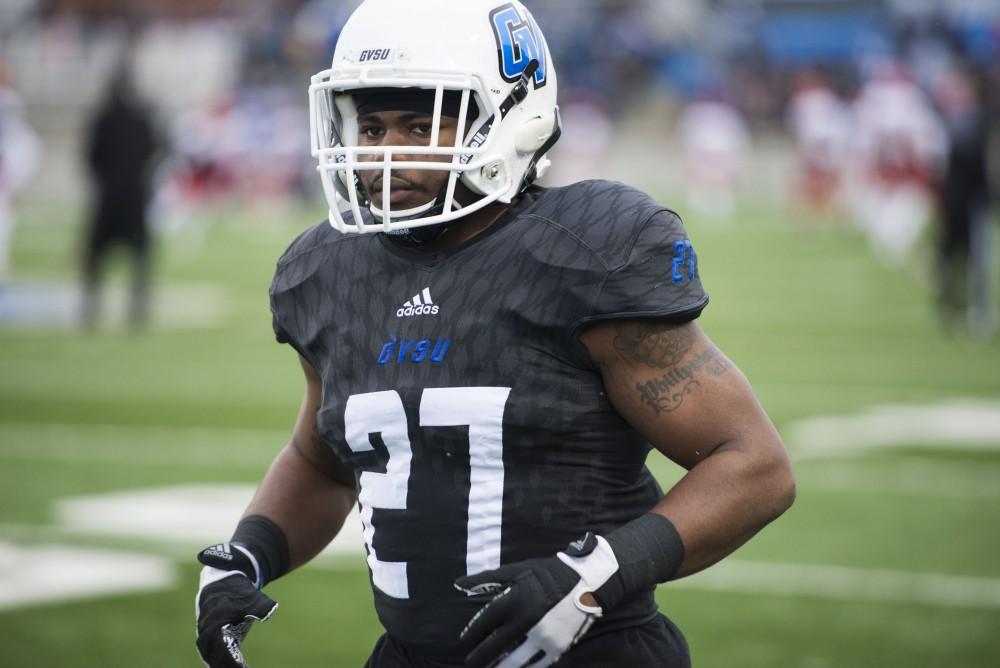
{"x":494,"y":78}
{"x":342,"y":158}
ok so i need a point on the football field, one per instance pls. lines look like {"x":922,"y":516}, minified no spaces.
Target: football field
{"x":122,"y":453}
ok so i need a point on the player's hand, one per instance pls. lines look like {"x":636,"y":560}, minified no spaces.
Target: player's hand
{"x":227,"y":604}
{"x":534,"y":610}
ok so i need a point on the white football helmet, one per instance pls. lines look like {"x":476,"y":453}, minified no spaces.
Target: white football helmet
{"x":490,"y":52}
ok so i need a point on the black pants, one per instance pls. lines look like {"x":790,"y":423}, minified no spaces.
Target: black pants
{"x":655,"y":644}
{"x":100,"y":243}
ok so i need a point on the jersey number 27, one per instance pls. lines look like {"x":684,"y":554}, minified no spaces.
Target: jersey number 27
{"x":479,"y":408}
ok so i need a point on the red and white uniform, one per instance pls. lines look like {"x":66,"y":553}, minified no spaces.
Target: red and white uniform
{"x":899,"y":144}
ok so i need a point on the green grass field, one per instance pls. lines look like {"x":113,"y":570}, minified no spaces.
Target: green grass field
{"x":888,"y":558}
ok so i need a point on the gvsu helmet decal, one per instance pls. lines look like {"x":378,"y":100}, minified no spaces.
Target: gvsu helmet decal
{"x":519,"y":41}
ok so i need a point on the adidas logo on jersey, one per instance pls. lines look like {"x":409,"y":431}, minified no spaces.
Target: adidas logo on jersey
{"x":420,"y":304}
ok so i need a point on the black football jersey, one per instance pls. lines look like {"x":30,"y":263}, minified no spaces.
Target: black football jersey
{"x":457,"y":389}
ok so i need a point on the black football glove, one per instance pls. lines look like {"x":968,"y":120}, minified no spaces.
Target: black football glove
{"x":534,"y":613}
{"x":227,"y":604}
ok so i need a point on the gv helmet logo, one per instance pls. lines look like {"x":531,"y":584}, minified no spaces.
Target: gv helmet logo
{"x":519,"y":41}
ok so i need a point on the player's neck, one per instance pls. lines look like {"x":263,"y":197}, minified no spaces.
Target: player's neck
{"x":466,"y":228}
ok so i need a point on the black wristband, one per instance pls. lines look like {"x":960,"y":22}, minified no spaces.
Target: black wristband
{"x":648,"y":550}
{"x":268,"y":544}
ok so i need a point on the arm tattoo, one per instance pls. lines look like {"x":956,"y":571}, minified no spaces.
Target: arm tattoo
{"x":656,"y":346}
{"x":651,"y":343}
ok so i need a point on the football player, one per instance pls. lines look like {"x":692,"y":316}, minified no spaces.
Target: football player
{"x":487,"y":365}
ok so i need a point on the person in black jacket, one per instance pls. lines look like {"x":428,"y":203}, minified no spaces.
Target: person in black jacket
{"x":121,"y":148}
{"x":964,"y":294}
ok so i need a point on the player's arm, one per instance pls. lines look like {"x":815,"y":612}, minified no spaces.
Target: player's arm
{"x":299,"y":507}
{"x":673,"y":385}
{"x":307,"y":491}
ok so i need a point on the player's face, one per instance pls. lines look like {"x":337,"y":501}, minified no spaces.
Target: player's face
{"x":408,"y":188}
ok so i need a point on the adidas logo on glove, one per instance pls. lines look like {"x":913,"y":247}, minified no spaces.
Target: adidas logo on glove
{"x":221,"y":551}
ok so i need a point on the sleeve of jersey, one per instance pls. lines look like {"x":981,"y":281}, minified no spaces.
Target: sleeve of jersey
{"x":293,"y":297}
{"x":280,"y":333}
{"x":658,"y":278}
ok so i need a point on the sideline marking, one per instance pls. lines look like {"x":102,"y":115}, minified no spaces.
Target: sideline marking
{"x":847,"y":583}
{"x":138,"y":445}
{"x":38,"y":574}
{"x":965,"y":424}
{"x":910,"y":475}
{"x":195,"y":514}
{"x":58,"y":305}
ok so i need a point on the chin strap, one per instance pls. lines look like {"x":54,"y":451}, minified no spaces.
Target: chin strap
{"x":417,"y":236}
{"x":406,"y":214}
{"x":432,"y":208}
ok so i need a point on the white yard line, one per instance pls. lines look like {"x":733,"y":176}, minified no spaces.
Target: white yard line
{"x":847,"y":584}
{"x":182,"y":514}
{"x":137,"y":445}
{"x":123,"y":431}
{"x":44,"y":574}
{"x":967,"y":424}
{"x":56,"y":305}
{"x":909,"y":475}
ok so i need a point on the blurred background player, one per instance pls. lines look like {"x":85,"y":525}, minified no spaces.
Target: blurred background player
{"x":204,"y":166}
{"x":588,"y":136}
{"x":964,"y":248}
{"x":19,"y":156}
{"x":714,"y":138}
{"x":898,"y":152}
{"x":820,"y":125}
{"x":122,"y":145}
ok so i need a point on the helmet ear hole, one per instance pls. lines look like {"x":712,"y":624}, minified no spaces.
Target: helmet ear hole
{"x":533,"y":134}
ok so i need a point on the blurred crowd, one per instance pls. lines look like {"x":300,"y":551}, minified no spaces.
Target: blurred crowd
{"x":891,"y":106}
